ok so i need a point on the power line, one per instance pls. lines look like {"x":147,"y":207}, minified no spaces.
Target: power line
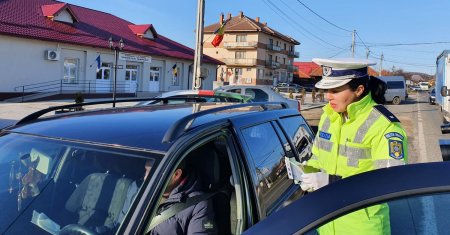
{"x":322,"y":17}
{"x":406,"y":44}
{"x":307,"y":21}
{"x":296,"y":23}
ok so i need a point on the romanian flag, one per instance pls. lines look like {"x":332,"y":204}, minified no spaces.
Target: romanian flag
{"x":219,"y":36}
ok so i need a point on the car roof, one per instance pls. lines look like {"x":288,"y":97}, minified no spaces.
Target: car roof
{"x":205,"y":93}
{"x":247,"y":86}
{"x":142,"y":127}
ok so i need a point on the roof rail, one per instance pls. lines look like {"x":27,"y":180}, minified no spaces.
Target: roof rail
{"x":184,"y":123}
{"x":39,"y":113}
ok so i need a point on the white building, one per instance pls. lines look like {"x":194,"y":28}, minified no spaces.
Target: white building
{"x":53,"y":47}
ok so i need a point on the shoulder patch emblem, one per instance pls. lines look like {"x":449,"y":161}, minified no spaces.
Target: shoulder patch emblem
{"x":324,"y":135}
{"x":386,"y":113}
{"x":394,"y":134}
{"x":396,"y":149}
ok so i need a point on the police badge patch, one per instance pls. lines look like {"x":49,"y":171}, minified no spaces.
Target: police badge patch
{"x":327,"y":71}
{"x":396,"y":149}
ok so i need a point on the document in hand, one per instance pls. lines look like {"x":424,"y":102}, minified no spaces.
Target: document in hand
{"x":294,"y":168}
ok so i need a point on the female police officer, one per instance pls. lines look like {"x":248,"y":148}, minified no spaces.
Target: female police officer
{"x":356,"y":134}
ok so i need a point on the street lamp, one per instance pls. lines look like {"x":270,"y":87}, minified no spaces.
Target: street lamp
{"x":117,"y":47}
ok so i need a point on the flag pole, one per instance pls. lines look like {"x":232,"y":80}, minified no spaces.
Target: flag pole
{"x":196,"y":79}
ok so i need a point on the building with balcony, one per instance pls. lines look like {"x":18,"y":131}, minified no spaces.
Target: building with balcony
{"x":253,"y":53}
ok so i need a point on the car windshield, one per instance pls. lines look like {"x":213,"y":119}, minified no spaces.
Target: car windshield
{"x":49,"y":186}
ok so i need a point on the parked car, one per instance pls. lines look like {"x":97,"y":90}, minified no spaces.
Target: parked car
{"x":396,"y":89}
{"x":70,"y":173}
{"x":415,"y":88}
{"x":199,"y":96}
{"x":260,"y":93}
{"x":432,"y":96}
{"x":418,"y":196}
{"x":288,"y":87}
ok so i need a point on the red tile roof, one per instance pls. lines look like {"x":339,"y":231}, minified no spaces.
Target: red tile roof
{"x":141,"y":29}
{"x":311,"y":69}
{"x":25,"y":19}
{"x":52,"y":9}
{"x":308,"y":69}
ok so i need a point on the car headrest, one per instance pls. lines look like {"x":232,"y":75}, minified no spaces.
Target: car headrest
{"x":205,"y":161}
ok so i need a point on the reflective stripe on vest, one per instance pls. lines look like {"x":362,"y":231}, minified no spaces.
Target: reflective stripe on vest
{"x":325,"y":145}
{"x":321,"y":143}
{"x":353,"y":154}
{"x":314,"y":157}
{"x":362,"y":130}
{"x":384,"y":163}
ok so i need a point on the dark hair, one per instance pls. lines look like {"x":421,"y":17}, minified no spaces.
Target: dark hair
{"x":371,"y":84}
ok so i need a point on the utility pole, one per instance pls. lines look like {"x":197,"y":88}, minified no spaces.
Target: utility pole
{"x":367,"y":53}
{"x":353,"y":43}
{"x":381,"y":64}
{"x":196,"y":79}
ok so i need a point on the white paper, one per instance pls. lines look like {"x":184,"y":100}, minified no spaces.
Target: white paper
{"x":47,"y":224}
{"x":294,"y":168}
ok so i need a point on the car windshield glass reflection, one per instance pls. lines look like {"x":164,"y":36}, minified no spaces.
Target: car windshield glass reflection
{"x":50,"y":186}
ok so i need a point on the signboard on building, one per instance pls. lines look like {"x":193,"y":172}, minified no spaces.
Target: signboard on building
{"x":135,"y":58}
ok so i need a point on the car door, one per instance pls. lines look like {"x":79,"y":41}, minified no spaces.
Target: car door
{"x":418,"y":196}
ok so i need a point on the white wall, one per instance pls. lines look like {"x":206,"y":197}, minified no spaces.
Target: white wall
{"x":24,"y":62}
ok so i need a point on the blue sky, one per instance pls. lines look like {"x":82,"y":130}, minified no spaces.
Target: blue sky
{"x":377,"y":23}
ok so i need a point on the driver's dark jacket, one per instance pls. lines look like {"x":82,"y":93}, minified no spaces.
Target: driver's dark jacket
{"x":196,"y":219}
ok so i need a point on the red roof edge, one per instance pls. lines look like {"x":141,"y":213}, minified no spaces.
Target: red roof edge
{"x":140,"y":30}
{"x":51,"y":10}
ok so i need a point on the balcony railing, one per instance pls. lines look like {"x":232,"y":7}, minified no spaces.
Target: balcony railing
{"x":272,"y":64}
{"x":240,"y":45}
{"x":240,"y":62}
{"x":273,"y":47}
{"x":292,"y":68}
{"x":293,"y":54}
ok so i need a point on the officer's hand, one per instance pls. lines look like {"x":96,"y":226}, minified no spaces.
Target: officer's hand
{"x":313,"y":181}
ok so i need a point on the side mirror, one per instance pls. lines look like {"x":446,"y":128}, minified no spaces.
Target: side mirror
{"x":444,"y":91}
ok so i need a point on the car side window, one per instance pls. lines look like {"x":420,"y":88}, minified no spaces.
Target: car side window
{"x":300,"y":134}
{"x":267,"y":154}
{"x":237,"y":90}
{"x":257,"y":94}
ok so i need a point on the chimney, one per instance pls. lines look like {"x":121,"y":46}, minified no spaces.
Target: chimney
{"x":221,"y":18}
{"x":241,"y":14}
{"x":257,"y":19}
{"x":228,"y":16}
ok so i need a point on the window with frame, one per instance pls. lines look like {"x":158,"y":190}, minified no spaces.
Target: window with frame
{"x":260,"y":73}
{"x":241,"y":38}
{"x":154,"y":74}
{"x":267,"y":155}
{"x":131,"y":72}
{"x":70,"y":70}
{"x":240,"y":54}
{"x":104,"y":73}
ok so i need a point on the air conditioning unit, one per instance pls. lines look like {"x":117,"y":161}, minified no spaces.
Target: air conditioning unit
{"x":52,"y":55}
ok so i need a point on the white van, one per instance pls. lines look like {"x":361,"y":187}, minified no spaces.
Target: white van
{"x":396,"y":89}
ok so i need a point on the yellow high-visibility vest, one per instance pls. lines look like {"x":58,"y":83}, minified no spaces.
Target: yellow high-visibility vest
{"x":370,"y":138}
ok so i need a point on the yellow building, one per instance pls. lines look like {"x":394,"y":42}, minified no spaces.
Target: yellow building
{"x":253,"y":53}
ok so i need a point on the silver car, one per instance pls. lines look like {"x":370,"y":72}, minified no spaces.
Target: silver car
{"x":261,"y":93}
